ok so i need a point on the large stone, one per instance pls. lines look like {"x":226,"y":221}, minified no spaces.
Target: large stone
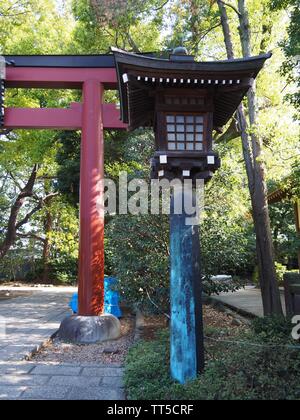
{"x":90,"y":329}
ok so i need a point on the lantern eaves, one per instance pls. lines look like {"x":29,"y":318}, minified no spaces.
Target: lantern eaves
{"x":139,"y":76}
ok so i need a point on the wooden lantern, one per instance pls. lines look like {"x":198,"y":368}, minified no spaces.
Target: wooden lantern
{"x":184,"y":101}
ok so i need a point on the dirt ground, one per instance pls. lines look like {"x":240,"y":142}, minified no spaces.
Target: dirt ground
{"x":212,"y":318}
{"x":114,"y":352}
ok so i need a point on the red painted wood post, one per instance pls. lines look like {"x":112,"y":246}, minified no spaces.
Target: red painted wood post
{"x":91,"y":252}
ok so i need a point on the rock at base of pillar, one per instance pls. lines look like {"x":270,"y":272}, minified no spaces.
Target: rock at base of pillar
{"x":89,"y":329}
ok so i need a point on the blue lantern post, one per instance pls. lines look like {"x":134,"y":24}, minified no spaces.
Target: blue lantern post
{"x":187,"y":341}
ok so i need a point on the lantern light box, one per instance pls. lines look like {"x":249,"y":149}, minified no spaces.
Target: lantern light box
{"x":184,"y":101}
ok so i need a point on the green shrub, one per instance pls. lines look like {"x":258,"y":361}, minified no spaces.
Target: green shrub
{"x":280,"y":270}
{"x":252,"y":366}
{"x":138,"y":252}
{"x":61,"y":271}
{"x":293,"y":277}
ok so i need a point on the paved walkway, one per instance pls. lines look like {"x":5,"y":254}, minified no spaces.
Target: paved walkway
{"x":31,"y":381}
{"x":248,"y":301}
{"x":25,"y":324}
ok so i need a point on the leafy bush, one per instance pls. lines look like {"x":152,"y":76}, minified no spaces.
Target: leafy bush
{"x":280,"y":270}
{"x":292,"y":276}
{"x":227,"y":248}
{"x":140,"y":257}
{"x":138,"y":250}
{"x":253,"y":366}
{"x":61,"y":271}
{"x":16,"y":265}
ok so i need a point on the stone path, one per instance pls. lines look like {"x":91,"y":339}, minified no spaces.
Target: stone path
{"x":248,"y":301}
{"x":30,"y":381}
{"x":25,"y":324}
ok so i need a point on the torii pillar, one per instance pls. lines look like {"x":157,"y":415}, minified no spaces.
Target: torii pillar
{"x":91,"y":252}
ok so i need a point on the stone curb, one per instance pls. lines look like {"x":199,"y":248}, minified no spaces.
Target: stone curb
{"x":139,"y":325}
{"x":242,"y":317}
{"x":36,"y":349}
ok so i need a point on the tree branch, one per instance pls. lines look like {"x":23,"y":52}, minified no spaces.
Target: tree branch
{"x":42,"y":202}
{"x":161,"y":6}
{"x":32,"y":236}
{"x":231,"y":6}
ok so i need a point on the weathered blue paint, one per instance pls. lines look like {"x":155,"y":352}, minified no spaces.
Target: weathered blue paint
{"x":187,"y":348}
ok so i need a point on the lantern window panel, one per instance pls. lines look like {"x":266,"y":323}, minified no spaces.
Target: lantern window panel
{"x":170,"y":119}
{"x":171,"y":146}
{"x":171,"y":137}
{"x":180,"y":146}
{"x":171,"y":128}
{"x":180,"y":137}
{"x":199,"y":146}
{"x":180,"y":119}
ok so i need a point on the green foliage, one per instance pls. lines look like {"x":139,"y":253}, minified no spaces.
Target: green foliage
{"x":292,"y":277}
{"x":68,"y":160}
{"x":35,"y":27}
{"x":17,"y":263}
{"x":272,"y":328}
{"x":140,"y":258}
{"x":138,"y":254}
{"x":291,"y":47}
{"x":227,"y":237}
{"x":63,"y":270}
{"x":280,"y":271}
{"x":286,"y":240}
{"x":253,"y":366}
{"x":101,"y":25}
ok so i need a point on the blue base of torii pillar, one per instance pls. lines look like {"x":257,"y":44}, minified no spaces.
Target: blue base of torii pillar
{"x":187,"y":342}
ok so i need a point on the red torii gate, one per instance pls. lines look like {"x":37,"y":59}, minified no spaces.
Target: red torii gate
{"x":92,"y":75}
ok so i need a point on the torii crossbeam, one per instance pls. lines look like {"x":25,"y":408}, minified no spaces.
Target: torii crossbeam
{"x":93,"y":75}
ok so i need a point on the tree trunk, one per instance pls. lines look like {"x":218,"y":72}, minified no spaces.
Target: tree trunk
{"x":252,"y":151}
{"x":13,"y":225}
{"x":47,"y":247}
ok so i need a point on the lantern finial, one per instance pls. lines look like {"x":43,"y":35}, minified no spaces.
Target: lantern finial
{"x":180,"y":51}
{"x":181,"y":54}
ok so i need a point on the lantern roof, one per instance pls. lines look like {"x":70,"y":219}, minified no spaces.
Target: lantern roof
{"x":140,"y":76}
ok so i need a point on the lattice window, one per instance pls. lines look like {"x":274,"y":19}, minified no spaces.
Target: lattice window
{"x":185,"y":132}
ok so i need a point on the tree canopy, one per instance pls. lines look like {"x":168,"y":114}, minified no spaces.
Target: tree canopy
{"x":136,"y":247}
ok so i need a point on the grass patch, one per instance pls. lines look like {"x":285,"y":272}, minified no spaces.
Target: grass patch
{"x":235,"y":370}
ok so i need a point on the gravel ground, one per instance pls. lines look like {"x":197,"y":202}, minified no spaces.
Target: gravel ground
{"x":114,"y":352}
{"x":109,"y":352}
{"x":213,"y":317}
